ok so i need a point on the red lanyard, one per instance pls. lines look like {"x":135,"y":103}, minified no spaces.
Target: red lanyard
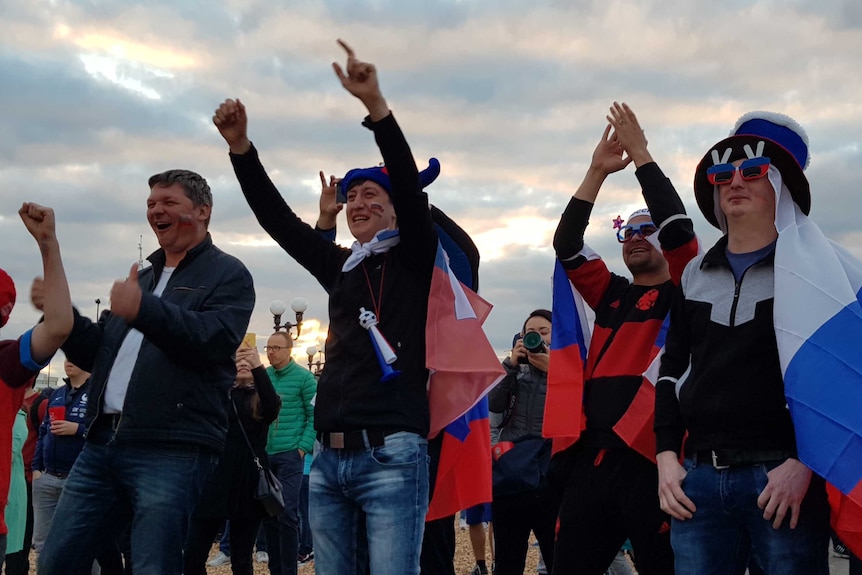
{"x":377,"y":302}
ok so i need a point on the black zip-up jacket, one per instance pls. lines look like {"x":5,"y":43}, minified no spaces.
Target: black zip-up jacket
{"x":179,"y":386}
{"x":350,"y":395}
{"x":733,"y":398}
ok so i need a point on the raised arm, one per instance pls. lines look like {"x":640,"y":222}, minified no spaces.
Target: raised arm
{"x":361,"y":81}
{"x":410,"y":202}
{"x":49,"y":335}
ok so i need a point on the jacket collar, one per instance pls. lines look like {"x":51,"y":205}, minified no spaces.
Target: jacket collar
{"x":158,"y":258}
{"x":717,"y":255}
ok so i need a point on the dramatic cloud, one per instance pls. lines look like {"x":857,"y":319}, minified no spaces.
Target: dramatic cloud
{"x":97,"y":96}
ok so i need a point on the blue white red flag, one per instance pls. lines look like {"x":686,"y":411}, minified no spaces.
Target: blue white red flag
{"x":818,"y":324}
{"x":462,"y":365}
{"x":464,"y":471}
{"x":564,"y":416}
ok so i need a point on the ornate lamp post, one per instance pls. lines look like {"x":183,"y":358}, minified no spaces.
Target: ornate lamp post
{"x":314,"y":366}
{"x":277,"y":309}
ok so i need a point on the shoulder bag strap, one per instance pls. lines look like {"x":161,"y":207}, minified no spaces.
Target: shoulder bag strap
{"x":241,"y":428}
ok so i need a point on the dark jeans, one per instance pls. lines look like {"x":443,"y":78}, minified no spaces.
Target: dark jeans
{"x":610,"y":496}
{"x":514,"y":517}
{"x":728,"y":526}
{"x":156,"y":486}
{"x":243,"y":532}
{"x":282,"y":532}
{"x":305,"y":541}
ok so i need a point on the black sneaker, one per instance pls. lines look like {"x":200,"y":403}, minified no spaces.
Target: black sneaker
{"x":305,"y":558}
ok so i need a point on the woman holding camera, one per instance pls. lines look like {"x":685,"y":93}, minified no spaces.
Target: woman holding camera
{"x":522,"y":500}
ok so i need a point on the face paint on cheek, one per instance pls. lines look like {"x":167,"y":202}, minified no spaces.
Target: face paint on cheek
{"x":186,"y":220}
{"x":376,"y":208}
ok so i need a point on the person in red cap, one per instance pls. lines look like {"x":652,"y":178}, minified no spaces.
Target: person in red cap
{"x":21,"y":359}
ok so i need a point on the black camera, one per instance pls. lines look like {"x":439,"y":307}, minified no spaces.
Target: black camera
{"x":533,"y":343}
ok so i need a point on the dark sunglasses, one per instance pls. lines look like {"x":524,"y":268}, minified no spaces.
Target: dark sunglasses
{"x":751,"y":169}
{"x":626,"y":233}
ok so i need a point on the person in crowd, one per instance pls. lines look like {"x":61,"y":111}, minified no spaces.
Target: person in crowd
{"x":371,"y":410}
{"x":229,"y":493}
{"x":22,"y":359}
{"x":609,"y":485}
{"x":306,"y":540}
{"x":15,"y":513}
{"x":521,"y":397}
{"x":290,"y":438}
{"x":741,"y":492}
{"x":61,"y":438}
{"x":162,"y":363}
{"x":34,"y":402}
{"x":478,"y":518}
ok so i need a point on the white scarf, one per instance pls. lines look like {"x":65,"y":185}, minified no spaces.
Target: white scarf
{"x":381,"y":243}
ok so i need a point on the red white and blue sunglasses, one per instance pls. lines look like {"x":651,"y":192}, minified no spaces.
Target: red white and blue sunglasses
{"x":751,"y":169}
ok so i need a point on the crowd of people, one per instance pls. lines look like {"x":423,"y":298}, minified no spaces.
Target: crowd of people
{"x":662,"y":428}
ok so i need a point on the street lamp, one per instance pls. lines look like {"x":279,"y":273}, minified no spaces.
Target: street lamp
{"x":98,"y":301}
{"x":277,"y":309}
{"x":314,"y":366}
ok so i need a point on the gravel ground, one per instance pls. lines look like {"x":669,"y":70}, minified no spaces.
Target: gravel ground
{"x":463,"y":560}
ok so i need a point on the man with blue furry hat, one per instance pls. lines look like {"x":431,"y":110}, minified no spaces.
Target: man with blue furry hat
{"x":371,"y":411}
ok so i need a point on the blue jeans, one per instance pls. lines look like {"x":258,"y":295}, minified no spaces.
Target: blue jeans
{"x":728,"y":526}
{"x":155,"y":487}
{"x":386,"y":484}
{"x":306,"y":544}
{"x":282,"y":532}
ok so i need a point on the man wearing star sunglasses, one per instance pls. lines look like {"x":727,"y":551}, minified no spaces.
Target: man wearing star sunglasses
{"x":608,"y":477}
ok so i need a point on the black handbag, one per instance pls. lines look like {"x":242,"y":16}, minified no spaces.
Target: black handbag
{"x":268,"y":492}
{"x":521,"y":466}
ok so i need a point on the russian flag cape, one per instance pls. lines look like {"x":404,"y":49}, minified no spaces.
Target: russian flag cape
{"x":463,"y":367}
{"x":818,"y":324}
{"x":564,"y":409}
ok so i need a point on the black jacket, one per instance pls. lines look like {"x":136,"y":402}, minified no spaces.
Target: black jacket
{"x":350,"y":395}
{"x":179,"y":386}
{"x":733,"y":397}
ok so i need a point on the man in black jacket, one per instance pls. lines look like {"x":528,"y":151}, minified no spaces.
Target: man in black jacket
{"x":742,"y":490}
{"x":372,"y":419}
{"x":162,"y":365}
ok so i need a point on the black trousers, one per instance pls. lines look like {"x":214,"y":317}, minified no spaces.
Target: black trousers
{"x":202,"y":532}
{"x":514,"y":517}
{"x":611,"y":495}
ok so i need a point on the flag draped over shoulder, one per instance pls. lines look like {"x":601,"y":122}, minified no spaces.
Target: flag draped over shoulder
{"x":564,"y":416}
{"x":462,"y":364}
{"x":818,"y":325}
{"x":463,"y":477}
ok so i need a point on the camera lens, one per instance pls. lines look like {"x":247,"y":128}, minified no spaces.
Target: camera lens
{"x":533,"y":342}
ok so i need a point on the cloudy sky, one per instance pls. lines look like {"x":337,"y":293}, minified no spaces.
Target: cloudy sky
{"x":511,"y":97}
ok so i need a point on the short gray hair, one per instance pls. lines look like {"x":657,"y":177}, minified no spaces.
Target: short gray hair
{"x":194,"y":185}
